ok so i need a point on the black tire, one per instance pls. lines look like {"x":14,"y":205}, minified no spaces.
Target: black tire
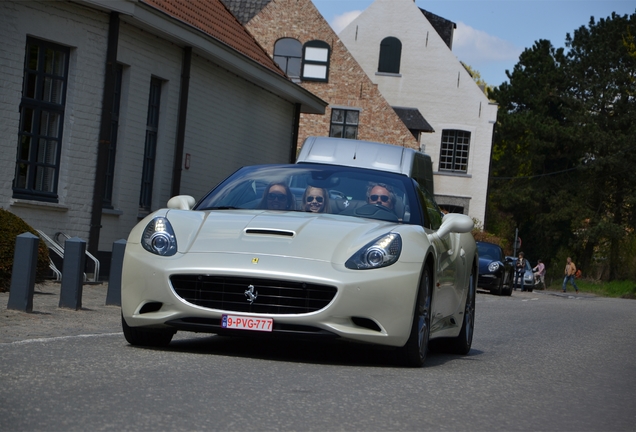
{"x":146,"y":337}
{"x":464,"y":341}
{"x":508,"y":290}
{"x":499,"y":291}
{"x":413,"y":353}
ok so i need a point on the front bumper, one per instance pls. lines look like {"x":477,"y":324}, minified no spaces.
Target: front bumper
{"x":489,"y":282}
{"x":374,"y":306}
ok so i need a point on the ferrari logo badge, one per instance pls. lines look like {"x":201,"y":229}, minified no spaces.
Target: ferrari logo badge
{"x":251,"y":294}
{"x":254,"y":260}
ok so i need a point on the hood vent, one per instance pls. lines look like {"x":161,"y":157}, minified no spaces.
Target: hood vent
{"x":272,"y":232}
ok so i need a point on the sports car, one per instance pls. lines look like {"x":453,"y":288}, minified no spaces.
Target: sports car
{"x":495,"y":269}
{"x":254,"y":258}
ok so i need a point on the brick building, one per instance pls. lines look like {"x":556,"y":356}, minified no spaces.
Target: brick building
{"x":299,"y":39}
{"x":110,"y":107}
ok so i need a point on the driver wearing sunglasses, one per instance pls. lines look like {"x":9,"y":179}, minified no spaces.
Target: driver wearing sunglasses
{"x":277,"y":196}
{"x":381,"y":194}
{"x":315,"y":200}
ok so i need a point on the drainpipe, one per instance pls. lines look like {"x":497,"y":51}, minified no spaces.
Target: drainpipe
{"x":104,"y":133}
{"x":181,"y":126}
{"x":293,"y":148}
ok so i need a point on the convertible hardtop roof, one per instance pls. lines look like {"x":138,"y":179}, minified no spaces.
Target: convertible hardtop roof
{"x":356,"y":153}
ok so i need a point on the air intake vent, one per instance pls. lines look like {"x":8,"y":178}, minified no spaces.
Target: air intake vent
{"x":261,"y":231}
{"x":273,"y":297}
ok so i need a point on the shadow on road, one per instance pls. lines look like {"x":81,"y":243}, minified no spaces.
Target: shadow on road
{"x":328,"y":353}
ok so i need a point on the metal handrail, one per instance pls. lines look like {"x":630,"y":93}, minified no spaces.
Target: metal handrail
{"x":56,"y":247}
{"x":88,"y":254}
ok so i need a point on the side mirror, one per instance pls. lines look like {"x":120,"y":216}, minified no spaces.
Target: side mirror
{"x":181,"y":202}
{"x":454,"y":222}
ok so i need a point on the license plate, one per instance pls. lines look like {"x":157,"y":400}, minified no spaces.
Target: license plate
{"x":247,"y":323}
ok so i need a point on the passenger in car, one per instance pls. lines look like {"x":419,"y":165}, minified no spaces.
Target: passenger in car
{"x":277,"y":196}
{"x":381,"y":194}
{"x":316,"y":200}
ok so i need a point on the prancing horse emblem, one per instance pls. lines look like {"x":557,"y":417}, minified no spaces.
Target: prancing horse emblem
{"x":251,"y":294}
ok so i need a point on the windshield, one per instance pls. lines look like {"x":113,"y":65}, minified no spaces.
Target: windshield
{"x":319,"y":189}
{"x":489,"y":251}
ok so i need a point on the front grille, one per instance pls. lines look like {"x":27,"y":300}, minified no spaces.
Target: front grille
{"x":273,"y":297}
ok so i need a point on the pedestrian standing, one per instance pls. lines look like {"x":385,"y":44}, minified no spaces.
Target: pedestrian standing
{"x":570,"y":271}
{"x":520,"y":271}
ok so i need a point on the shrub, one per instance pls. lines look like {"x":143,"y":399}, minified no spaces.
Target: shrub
{"x":10,"y":227}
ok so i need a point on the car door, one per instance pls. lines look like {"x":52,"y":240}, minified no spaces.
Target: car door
{"x":448,"y":291}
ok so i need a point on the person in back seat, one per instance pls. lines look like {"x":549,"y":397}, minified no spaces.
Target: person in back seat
{"x":316,"y":200}
{"x":381,"y":194}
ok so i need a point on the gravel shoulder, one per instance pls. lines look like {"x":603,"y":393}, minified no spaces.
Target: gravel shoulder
{"x":48,"y":320}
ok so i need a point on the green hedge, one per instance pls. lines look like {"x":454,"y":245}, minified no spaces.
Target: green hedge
{"x":12,"y":226}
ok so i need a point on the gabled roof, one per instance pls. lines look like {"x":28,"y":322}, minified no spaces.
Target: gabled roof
{"x":213,"y":18}
{"x":442,"y":26}
{"x":413,"y":119}
{"x":245,"y":10}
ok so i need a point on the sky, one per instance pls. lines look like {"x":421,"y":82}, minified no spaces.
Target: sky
{"x":491,"y":34}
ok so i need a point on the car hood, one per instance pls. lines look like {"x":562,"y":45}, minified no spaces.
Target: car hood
{"x":323,"y":237}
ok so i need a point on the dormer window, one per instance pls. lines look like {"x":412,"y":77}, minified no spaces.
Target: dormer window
{"x":316,"y":61}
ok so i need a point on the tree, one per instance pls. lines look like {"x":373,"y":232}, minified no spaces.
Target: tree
{"x":476,"y":76}
{"x":603,"y":71}
{"x":563,"y":154}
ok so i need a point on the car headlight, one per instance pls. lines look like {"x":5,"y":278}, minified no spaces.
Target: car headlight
{"x":381,"y":252}
{"x":158,"y":237}
{"x":493,"y":266}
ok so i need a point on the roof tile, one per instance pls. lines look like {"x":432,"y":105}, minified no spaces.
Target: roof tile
{"x":213,"y":18}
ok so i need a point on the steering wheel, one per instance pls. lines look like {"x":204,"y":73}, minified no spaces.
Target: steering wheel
{"x":376,"y":211}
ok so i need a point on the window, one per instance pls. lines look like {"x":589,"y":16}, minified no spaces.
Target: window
{"x":288,"y":56}
{"x":454,"y":151}
{"x":344,"y":123}
{"x":114,"y":127}
{"x":316,"y":61}
{"x":150,"y":150}
{"x":390,"y":55}
{"x":41,"y":120}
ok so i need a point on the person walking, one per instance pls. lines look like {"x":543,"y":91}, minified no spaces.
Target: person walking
{"x":570,"y":271}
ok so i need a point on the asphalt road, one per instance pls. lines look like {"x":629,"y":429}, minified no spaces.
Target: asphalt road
{"x":540,"y":361}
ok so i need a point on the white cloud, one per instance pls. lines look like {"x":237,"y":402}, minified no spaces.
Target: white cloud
{"x":476,"y":47}
{"x":341,"y":21}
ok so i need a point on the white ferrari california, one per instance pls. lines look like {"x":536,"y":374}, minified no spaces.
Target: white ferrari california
{"x":347,"y":243}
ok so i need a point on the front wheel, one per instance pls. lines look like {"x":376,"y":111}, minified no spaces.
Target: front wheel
{"x":413,"y":353}
{"x":146,"y":337}
{"x":508,"y":290}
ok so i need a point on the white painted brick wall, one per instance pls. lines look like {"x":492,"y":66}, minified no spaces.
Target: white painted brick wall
{"x":220,"y":106}
{"x":429,"y":81}
{"x":84,"y":30}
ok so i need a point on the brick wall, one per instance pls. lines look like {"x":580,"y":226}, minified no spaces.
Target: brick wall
{"x":348,"y":85}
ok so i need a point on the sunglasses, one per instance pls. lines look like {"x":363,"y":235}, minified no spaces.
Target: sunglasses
{"x":317,"y":198}
{"x":276,"y":197}
{"x":384,"y":198}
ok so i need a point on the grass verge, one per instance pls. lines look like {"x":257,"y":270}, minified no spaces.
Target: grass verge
{"x":617,"y":289}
